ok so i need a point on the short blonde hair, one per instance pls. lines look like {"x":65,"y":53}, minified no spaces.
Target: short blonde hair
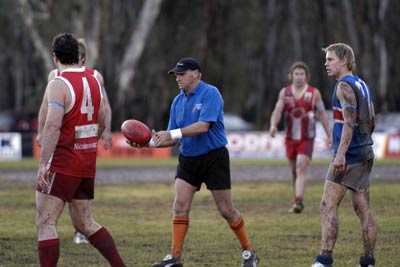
{"x":82,"y":48}
{"x":343,"y":51}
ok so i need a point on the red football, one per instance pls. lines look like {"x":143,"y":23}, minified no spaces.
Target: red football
{"x":136,"y":131}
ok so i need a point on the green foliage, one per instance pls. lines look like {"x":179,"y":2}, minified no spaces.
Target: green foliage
{"x":138,"y":215}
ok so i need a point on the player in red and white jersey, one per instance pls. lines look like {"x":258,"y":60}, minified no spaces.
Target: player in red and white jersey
{"x":106,"y":137}
{"x":75,"y":119}
{"x":302,"y":105}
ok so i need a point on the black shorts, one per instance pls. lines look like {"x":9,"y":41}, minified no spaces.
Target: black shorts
{"x":212,"y":169}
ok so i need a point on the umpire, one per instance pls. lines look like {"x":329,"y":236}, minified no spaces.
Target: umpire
{"x":197,"y":123}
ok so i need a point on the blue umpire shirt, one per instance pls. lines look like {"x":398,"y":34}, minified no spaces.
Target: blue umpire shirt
{"x":204,"y":104}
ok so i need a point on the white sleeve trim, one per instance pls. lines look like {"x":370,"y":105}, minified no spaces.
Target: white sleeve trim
{"x":71,"y":91}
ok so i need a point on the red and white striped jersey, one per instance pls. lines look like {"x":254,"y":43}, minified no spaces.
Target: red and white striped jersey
{"x":300,"y":114}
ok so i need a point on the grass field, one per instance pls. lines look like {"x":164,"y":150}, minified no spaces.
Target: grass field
{"x":138,"y":215}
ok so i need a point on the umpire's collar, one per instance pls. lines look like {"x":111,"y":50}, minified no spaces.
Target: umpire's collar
{"x":194,"y":90}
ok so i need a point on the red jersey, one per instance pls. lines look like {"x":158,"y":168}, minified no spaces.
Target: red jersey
{"x":300,"y":114}
{"x":89,"y":70}
{"x":76,"y":150}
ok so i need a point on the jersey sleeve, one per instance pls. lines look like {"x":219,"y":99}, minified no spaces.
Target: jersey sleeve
{"x":172,"y":122}
{"x":212,"y":106}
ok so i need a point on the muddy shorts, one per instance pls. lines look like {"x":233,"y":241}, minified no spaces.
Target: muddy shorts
{"x":355,"y":177}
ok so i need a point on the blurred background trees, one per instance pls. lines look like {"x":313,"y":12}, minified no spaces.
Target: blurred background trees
{"x":245,"y":48}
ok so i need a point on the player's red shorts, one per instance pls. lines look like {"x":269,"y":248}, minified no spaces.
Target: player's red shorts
{"x":68,"y":188}
{"x":296,"y":147}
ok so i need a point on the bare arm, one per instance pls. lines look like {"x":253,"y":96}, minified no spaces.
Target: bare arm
{"x":42,"y":118}
{"x":43,"y":108}
{"x":105,"y":134}
{"x":277,"y":113}
{"x":102,"y":117}
{"x":348,"y":102}
{"x":56,"y":96}
{"x":321,"y":114}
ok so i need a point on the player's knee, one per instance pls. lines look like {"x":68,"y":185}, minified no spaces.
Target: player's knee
{"x":228,"y":213}
{"x":80,"y":226}
{"x":360,"y":209}
{"x":325,"y":207}
{"x":44,"y":220}
{"x":87,"y":228}
{"x":181,"y":207}
{"x":301,"y":169}
{"x":83,"y":225}
{"x":356,"y":208}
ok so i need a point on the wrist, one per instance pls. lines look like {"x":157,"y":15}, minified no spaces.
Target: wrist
{"x":176,"y":134}
{"x":42,"y":164}
{"x":152,"y":143}
{"x":340,"y":154}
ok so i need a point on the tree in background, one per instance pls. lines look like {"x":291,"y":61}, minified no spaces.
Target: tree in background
{"x":245,"y":47}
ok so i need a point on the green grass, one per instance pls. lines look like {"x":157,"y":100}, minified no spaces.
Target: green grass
{"x":31,"y":164}
{"x":138,"y":215}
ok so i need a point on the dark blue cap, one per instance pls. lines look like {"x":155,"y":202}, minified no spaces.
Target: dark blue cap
{"x":184,"y":64}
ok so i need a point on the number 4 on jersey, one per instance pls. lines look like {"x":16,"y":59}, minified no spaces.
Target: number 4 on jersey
{"x":87,"y":105}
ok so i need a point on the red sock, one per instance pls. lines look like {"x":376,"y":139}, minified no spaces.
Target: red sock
{"x":103,"y":241}
{"x":49,"y":252}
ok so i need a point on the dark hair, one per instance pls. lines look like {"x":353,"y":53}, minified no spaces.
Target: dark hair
{"x":66,"y":49}
{"x":299,"y":65}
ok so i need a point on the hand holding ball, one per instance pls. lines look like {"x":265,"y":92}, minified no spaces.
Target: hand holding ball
{"x":136,"y":132}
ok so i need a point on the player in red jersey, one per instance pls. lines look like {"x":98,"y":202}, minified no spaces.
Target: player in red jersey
{"x":106,"y":137}
{"x":75,"y":119}
{"x":301,"y":104}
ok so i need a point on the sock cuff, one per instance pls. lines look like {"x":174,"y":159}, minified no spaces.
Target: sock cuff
{"x":180,"y":220}
{"x":48,"y":243}
{"x":99,"y":234}
{"x":237,"y":224}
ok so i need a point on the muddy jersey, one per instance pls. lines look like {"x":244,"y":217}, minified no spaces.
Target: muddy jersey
{"x":76,"y":150}
{"x":360,"y":147}
{"x":300,"y":114}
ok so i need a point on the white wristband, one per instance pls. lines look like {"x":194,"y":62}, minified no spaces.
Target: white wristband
{"x":152,"y":143}
{"x":175,"y":134}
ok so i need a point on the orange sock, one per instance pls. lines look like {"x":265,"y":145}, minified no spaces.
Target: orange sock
{"x":180,"y":225}
{"x":240,"y":232}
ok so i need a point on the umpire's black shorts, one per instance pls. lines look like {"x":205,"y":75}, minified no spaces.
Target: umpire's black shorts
{"x":211,"y":168}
